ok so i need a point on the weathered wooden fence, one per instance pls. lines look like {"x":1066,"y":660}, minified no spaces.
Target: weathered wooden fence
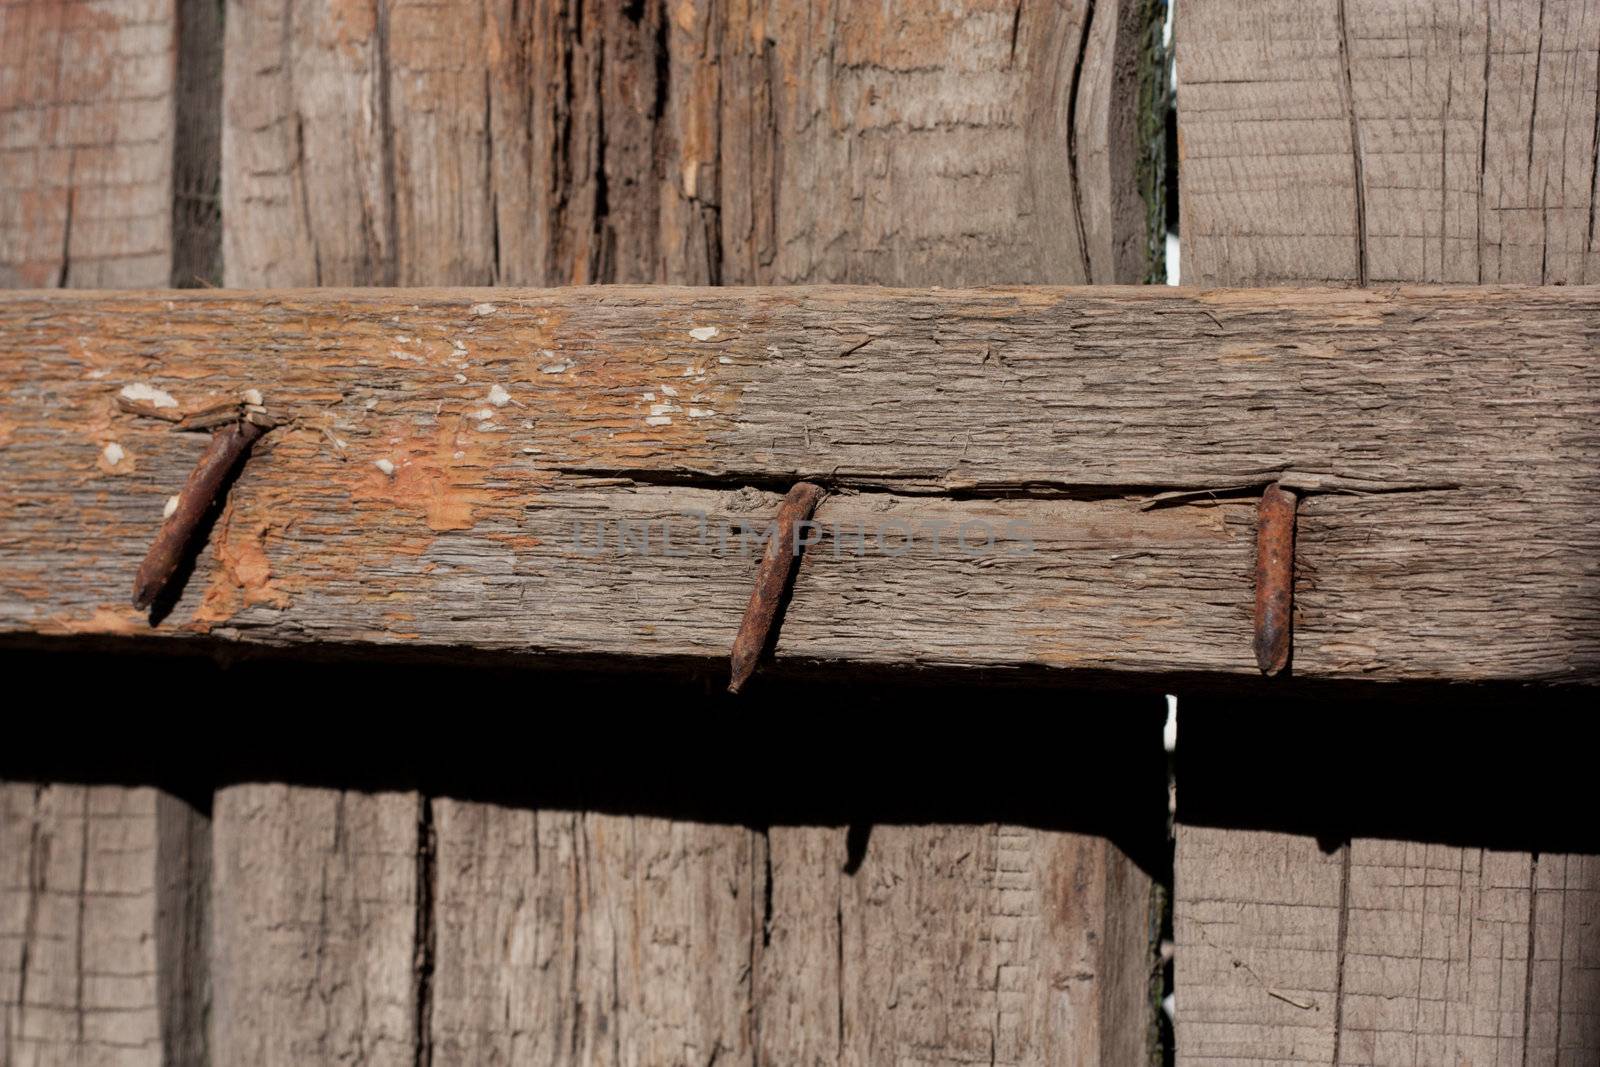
{"x":266,"y":919}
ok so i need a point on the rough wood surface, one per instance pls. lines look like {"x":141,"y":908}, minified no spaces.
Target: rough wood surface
{"x":86,"y":143}
{"x":314,"y":926}
{"x":89,"y":877}
{"x":1368,"y":141}
{"x":754,"y":142}
{"x":687,"y":143}
{"x":448,"y":471}
{"x":1009,"y":950}
{"x":573,"y":937}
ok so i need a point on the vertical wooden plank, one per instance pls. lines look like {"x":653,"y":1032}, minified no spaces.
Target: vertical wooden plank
{"x":86,"y":143}
{"x":1564,"y":1002}
{"x":1368,"y":141}
{"x":955,"y":943}
{"x":308,"y":170}
{"x":314,"y":925}
{"x":88,"y":885}
{"x":1356,"y":142}
{"x":584,"y":938}
{"x":1435,"y":966}
{"x":906,"y":144}
{"x":1257,"y":930}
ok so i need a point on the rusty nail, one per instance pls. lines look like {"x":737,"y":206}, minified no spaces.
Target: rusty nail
{"x":228,"y":445}
{"x":1274,"y":578}
{"x":777,"y":565}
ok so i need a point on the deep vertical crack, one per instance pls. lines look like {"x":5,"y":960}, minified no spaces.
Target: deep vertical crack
{"x":1358,"y":169}
{"x":1072,"y":141}
{"x":389,"y":269}
{"x":1343,"y":939}
{"x":425,"y":941}
{"x":1527,"y":981}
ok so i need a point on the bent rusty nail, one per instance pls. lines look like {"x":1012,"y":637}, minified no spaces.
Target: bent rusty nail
{"x":228,"y":445}
{"x":1275,"y":578}
{"x":777,"y":565}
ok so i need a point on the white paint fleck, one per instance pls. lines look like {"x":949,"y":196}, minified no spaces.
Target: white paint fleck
{"x":663,"y":409}
{"x":531,"y":451}
{"x":253,"y":396}
{"x":481,"y":310}
{"x":724,"y":359}
{"x":113,"y":453}
{"x":649,"y":396}
{"x":701,"y":413}
{"x":556,"y":367}
{"x":462,"y":378}
{"x":98,"y":373}
{"x":402,"y":338}
{"x":371,"y":403}
{"x":498,"y":395}
{"x":483,"y":414}
{"x":172,"y":505}
{"x":704,"y":333}
{"x":458,"y":455}
{"x":385,"y":466}
{"x":669,"y":390}
{"x":459,"y":346}
{"x":156,"y":397}
{"x":658,"y":420}
{"x":527,"y":424}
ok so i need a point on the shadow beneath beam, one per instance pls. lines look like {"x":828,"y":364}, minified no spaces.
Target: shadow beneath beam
{"x":670,"y":743}
{"x":1495,"y":767}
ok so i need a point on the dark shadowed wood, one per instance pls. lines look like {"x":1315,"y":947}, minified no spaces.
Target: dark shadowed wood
{"x":1367,"y":142}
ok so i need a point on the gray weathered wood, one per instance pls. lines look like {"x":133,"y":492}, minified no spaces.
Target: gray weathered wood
{"x":1358,"y":142}
{"x":86,"y":143}
{"x":569,"y":937}
{"x":755,"y":142}
{"x":89,"y":880}
{"x":1368,"y":141}
{"x":404,"y":505}
{"x":314,"y":926}
{"x":1053,"y":977}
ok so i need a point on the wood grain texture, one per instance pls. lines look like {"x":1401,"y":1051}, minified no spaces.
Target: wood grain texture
{"x":1366,"y":141}
{"x":88,"y":877}
{"x":86,"y":143}
{"x":574,"y":937}
{"x":314,"y":925}
{"x":686,"y":143}
{"x":441,"y":454}
{"x":955,"y":944}
{"x":753,"y":142}
{"x":1361,"y":142}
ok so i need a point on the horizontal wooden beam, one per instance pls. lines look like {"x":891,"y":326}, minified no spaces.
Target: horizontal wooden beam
{"x":1030,"y":477}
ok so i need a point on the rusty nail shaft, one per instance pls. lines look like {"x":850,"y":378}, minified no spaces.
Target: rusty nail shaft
{"x":210,"y":474}
{"x":1275,"y":578}
{"x":777,"y":565}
